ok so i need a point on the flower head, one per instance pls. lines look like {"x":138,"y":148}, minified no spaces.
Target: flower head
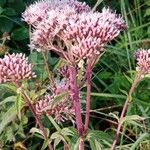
{"x":37,"y":11}
{"x":61,"y":111}
{"x":143,"y":60}
{"x":91,"y":31}
{"x":15,"y":67}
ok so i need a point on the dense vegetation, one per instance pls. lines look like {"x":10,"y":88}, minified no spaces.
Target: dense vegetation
{"x":111,"y":81}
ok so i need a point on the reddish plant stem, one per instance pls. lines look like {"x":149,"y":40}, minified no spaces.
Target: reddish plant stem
{"x":81,"y":144}
{"x":76,"y":99}
{"x":28,"y":102}
{"x":87,"y":115}
{"x":125,"y":106}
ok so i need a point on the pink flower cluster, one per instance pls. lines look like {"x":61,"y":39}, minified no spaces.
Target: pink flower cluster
{"x":143,"y":60}
{"x":37,"y":11}
{"x":83,"y":31}
{"x":91,"y":31}
{"x":64,"y":71}
{"x":15,"y":67}
{"x":61,"y":109}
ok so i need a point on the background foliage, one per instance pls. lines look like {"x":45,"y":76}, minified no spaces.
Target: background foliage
{"x":111,"y":81}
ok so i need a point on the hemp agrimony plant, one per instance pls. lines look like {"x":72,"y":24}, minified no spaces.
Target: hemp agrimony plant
{"x":78,"y":35}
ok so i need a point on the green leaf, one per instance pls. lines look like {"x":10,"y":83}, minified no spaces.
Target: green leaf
{"x":74,"y":144}
{"x":1,"y":10}
{"x":2,"y":3}
{"x":9,"y":12}
{"x":128,"y":78}
{"x":6,"y":25}
{"x":19,"y":105}
{"x":56,"y":142}
{"x":38,"y":131}
{"x":45,"y":144}
{"x":147,"y":13}
{"x":9,"y":86}
{"x":8,"y":117}
{"x":8,"y":99}
{"x":106,"y":95}
{"x":54,"y":123}
{"x":34,"y":95}
{"x":20,"y":34}
{"x":130,"y":118}
{"x":139,"y":140}
{"x":58,"y":98}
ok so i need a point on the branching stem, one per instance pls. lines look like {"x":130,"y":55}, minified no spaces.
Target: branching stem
{"x":28,"y":102}
{"x":136,"y":80}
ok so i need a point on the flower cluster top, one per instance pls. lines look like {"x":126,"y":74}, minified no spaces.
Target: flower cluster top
{"x":71,"y":28}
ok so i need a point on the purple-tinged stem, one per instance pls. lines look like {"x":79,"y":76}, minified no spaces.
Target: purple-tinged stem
{"x":81,"y":144}
{"x":87,"y":115}
{"x":28,"y":102}
{"x":137,"y":79}
{"x":76,"y":99}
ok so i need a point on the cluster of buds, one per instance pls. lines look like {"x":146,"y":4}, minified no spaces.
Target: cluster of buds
{"x":63,"y":71}
{"x":15,"y":67}
{"x":83,"y":31}
{"x":61,"y":110}
{"x":37,"y":11}
{"x":143,"y":60}
{"x":91,"y":31}
{"x":59,"y":105}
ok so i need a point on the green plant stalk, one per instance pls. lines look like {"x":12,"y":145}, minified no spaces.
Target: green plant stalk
{"x":87,"y":115}
{"x":28,"y":102}
{"x":50,"y":74}
{"x":136,"y":80}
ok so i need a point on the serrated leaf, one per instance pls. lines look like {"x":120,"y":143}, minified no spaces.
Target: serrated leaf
{"x":130,"y":118}
{"x":9,"y":116}
{"x":139,"y":140}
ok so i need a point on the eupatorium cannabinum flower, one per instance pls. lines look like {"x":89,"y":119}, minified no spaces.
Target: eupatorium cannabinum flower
{"x":73,"y":23}
{"x":15,"y":67}
{"x":143,"y":60}
{"x":37,"y":11}
{"x":91,"y":31}
{"x":61,"y":111}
